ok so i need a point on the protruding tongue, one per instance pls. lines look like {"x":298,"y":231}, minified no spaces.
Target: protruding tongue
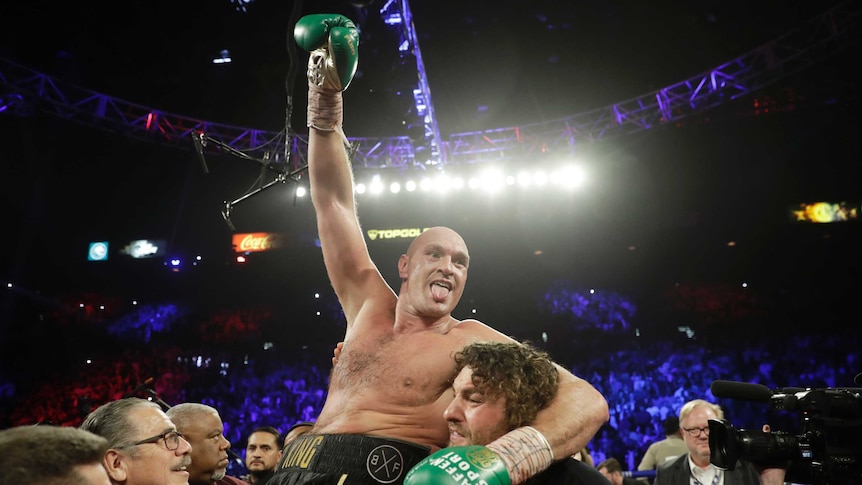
{"x":440,"y":292}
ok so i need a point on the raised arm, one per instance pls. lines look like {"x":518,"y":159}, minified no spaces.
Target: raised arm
{"x":345,"y":254}
{"x":333,"y":42}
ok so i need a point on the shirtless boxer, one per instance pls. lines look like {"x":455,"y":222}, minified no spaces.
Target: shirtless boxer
{"x":392,"y":382}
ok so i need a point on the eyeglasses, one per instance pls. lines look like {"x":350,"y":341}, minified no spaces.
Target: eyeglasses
{"x":695,"y":432}
{"x":171,"y":439}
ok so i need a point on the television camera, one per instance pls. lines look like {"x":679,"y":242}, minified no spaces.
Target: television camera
{"x":827,"y":450}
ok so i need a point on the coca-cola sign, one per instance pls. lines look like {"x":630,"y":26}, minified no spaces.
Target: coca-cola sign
{"x":257,"y":241}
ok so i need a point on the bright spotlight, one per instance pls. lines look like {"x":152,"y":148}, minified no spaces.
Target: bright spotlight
{"x":540,"y":178}
{"x":426,"y":184}
{"x":572,"y":176}
{"x":441,"y":183}
{"x":410,"y":186}
{"x":395,"y":187}
{"x":492,"y":180}
{"x":300,"y":191}
{"x":361,"y":188}
{"x":524,"y":179}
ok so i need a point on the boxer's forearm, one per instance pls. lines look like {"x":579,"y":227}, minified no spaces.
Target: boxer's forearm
{"x":574,"y":416}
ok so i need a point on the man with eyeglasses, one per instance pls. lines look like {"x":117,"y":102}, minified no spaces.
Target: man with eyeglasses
{"x":145,"y":447}
{"x":694,"y":468}
{"x":202,"y":426}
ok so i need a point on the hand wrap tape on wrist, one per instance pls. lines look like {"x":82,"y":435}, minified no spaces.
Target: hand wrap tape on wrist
{"x":325,"y":110}
{"x":525,"y":451}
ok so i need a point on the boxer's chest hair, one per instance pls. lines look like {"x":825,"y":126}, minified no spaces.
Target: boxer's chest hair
{"x":396,"y":365}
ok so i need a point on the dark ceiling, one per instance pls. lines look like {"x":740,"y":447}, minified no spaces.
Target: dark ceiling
{"x":680,"y":194}
{"x":489,"y":63}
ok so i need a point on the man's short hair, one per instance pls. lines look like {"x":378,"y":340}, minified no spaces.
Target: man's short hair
{"x":690,"y":406}
{"x":184,"y":413}
{"x":521,"y":373}
{"x":670,"y":425}
{"x":268,"y":429}
{"x":48,"y":455}
{"x":111,"y":420}
{"x":612,"y":465}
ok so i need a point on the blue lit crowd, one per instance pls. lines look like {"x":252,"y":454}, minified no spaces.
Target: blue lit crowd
{"x":644,"y":378}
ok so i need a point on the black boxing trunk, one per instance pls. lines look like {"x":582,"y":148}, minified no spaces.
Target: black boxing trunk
{"x":346,"y":459}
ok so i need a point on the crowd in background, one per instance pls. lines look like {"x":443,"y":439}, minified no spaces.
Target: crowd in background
{"x":643,"y":379}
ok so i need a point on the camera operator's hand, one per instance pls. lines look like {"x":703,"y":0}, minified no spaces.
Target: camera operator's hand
{"x":771,"y":476}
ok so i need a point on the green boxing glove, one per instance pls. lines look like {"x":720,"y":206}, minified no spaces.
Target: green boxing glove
{"x":333,"y":42}
{"x":460,"y":465}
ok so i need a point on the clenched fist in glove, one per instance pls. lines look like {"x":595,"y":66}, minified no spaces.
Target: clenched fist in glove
{"x":459,"y":465}
{"x":509,"y":460}
{"x":333,"y":43}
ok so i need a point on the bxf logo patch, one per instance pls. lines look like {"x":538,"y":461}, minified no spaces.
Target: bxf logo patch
{"x":385,"y":464}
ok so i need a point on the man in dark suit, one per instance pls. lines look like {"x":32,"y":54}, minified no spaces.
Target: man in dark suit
{"x":694,"y":468}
